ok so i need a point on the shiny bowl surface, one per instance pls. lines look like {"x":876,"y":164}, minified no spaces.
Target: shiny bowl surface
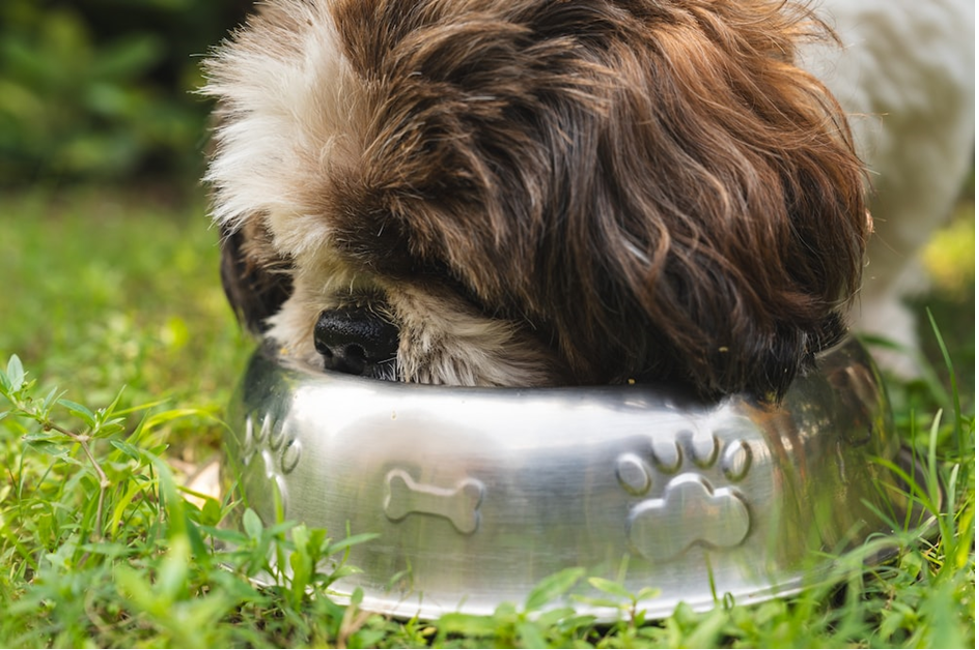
{"x":478,"y":494}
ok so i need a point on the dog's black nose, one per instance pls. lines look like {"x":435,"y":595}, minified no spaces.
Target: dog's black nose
{"x":355,"y":340}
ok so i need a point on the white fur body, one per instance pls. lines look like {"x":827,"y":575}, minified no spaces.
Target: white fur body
{"x":906,"y":77}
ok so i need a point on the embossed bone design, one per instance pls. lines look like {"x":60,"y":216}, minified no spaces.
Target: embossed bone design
{"x":460,"y":504}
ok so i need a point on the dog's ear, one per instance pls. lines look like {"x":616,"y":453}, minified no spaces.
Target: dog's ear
{"x":255,"y":281}
{"x":732,"y":229}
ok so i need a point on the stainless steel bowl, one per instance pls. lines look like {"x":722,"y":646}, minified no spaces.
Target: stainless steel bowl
{"x":479,"y":494}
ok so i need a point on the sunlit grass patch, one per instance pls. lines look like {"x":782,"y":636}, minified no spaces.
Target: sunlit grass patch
{"x":950,"y":257}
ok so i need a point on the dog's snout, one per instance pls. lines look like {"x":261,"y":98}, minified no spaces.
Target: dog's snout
{"x":355,"y":340}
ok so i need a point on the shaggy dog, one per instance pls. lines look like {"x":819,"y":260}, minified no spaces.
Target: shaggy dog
{"x":538,"y":192}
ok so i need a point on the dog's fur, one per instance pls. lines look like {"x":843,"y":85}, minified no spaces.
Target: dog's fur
{"x":541,"y":192}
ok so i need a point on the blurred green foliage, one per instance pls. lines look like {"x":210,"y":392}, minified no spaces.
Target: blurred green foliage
{"x":102,"y":90}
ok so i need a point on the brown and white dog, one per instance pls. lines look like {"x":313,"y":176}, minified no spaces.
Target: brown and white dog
{"x":538,"y":192}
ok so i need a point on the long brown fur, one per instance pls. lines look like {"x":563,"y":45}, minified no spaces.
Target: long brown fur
{"x":648,"y":190}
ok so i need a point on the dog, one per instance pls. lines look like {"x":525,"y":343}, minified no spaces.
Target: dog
{"x":539,"y":192}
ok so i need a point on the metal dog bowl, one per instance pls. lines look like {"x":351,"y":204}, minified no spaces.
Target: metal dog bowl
{"x":478,"y":494}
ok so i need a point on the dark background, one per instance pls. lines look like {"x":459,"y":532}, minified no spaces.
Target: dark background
{"x":102,"y":91}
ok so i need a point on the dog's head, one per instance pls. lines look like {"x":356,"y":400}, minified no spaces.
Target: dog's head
{"x":533,"y":192}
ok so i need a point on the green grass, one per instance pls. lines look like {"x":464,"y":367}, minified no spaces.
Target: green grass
{"x":116,"y":301}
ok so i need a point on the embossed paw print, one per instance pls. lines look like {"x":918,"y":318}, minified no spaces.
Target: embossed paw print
{"x":279,"y":453}
{"x":693,"y":507}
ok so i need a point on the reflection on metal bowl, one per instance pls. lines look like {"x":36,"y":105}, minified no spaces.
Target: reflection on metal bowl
{"x":477,"y":494}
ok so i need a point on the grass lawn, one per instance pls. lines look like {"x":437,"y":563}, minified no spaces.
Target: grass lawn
{"x":114,"y":309}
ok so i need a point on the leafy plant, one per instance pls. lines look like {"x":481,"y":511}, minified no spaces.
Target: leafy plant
{"x":99,"y":545}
